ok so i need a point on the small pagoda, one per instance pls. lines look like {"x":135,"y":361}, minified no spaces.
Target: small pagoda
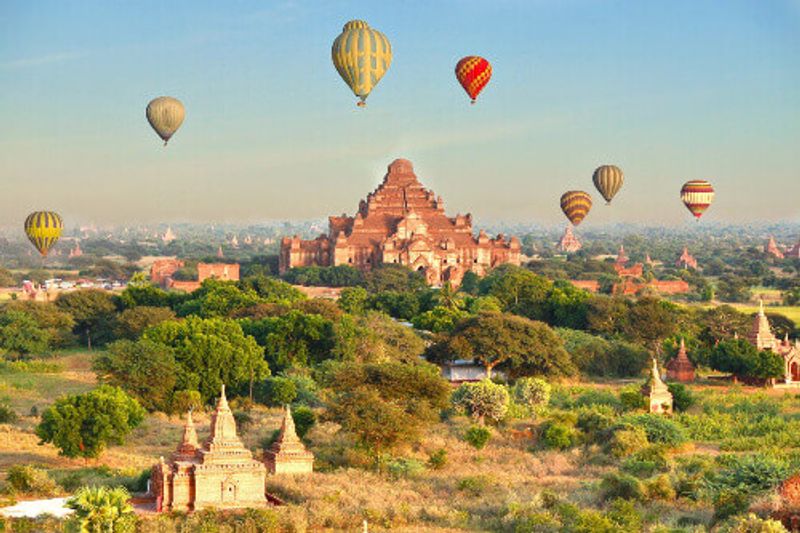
{"x":658,"y":393}
{"x":288,"y":455}
{"x":680,"y":368}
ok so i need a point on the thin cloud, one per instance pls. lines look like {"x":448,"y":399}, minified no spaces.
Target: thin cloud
{"x":42,"y":60}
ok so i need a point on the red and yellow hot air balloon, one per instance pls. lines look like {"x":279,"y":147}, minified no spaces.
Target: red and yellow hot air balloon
{"x":473,"y":73}
{"x":43,"y":229}
{"x":576,"y":205}
{"x":697,"y":196}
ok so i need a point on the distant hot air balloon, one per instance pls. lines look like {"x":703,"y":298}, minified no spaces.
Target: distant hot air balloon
{"x":43,"y":229}
{"x":576,"y":205}
{"x":473,"y":73}
{"x":165,"y":114}
{"x":362,"y":56}
{"x":697,"y":195}
{"x":608,"y":180}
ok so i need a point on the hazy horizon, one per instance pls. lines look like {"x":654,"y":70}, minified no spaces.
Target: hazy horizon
{"x":669,"y":92}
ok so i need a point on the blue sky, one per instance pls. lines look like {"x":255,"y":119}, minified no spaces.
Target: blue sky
{"x":669,"y":91}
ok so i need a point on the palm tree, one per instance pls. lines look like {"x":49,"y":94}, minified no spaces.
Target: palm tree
{"x":101,"y":509}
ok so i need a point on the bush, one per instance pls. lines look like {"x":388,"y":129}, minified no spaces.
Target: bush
{"x":660,"y":488}
{"x":599,"y":397}
{"x":620,"y":485}
{"x":304,"y":419}
{"x":478,"y":436}
{"x":277,"y":391}
{"x":646,"y":462}
{"x":481,"y":400}
{"x":729,"y":502}
{"x":625,"y":515}
{"x":404,"y":468}
{"x":7,"y":415}
{"x":659,"y":429}
{"x":184,"y":400}
{"x":626,"y":440}
{"x":595,"y":421}
{"x":632,"y":399}
{"x":534,"y":393}
{"x":438,"y":459}
{"x":682,"y":397}
{"x":753,"y":524}
{"x":474,"y":485}
{"x":559,"y":436}
{"x":30,"y":481}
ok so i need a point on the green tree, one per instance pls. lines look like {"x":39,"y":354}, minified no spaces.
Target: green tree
{"x":131,"y":323}
{"x":566,"y":305}
{"x":217,"y":298}
{"x":439,"y":319}
{"x":50,"y":318}
{"x":482,"y":400}
{"x":606,"y":315}
{"x":722,"y":322}
{"x":402,"y":305}
{"x":354,"y":300}
{"x":211,"y":352}
{"x":295,"y":339}
{"x":742,"y":359}
{"x":650,"y":320}
{"x":94,"y":312}
{"x":520,"y":291}
{"x":391,"y":277}
{"x":102,"y":509}
{"x":384,"y":404}
{"x":271,"y":290}
{"x":21,"y":335}
{"x":84,"y":425}
{"x":519,"y":346}
{"x":145,"y":369}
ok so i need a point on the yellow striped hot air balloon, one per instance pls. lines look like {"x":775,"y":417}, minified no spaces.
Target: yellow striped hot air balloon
{"x":165,"y":114}
{"x":362,"y":56}
{"x":697,"y":196}
{"x":576,"y":205}
{"x":43,"y":229}
{"x":608,"y":180}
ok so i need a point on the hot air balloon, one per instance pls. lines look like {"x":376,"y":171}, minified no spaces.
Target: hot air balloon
{"x":43,"y":228}
{"x":473,"y":73}
{"x":165,"y":114}
{"x":576,"y":205}
{"x":608,"y":180}
{"x":362,"y":56}
{"x":697,"y":195}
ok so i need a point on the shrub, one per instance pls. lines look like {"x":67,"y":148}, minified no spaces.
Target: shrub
{"x":729,"y":502}
{"x":559,"y":436}
{"x":478,"y":436}
{"x":532,"y":392}
{"x":277,"y":391}
{"x":184,"y":400}
{"x":660,"y":488}
{"x":753,"y":524}
{"x":404,"y":468}
{"x":7,"y":415}
{"x":30,"y":481}
{"x":102,"y":509}
{"x":595,"y":421}
{"x":482,"y":400}
{"x":620,"y":485}
{"x":438,"y":459}
{"x":646,"y":462}
{"x":752,"y":473}
{"x":625,"y":515}
{"x":632,"y":399}
{"x":682,"y":397}
{"x":304,"y":419}
{"x":599,"y":397}
{"x":626,"y":440}
{"x":475,"y":485}
{"x":243,"y":420}
{"x":659,"y":429}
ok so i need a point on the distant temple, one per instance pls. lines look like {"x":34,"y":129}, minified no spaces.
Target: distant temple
{"x":220,"y":255}
{"x":686,"y":260}
{"x":288,"y":455}
{"x":403,"y":223}
{"x":620,"y":266}
{"x":771,"y":248}
{"x":221,"y":474}
{"x":569,"y":243}
{"x":168,"y":236}
{"x":76,"y":251}
{"x":794,"y":251}
{"x":761,"y":337}
{"x":162,"y":270}
{"x":658,"y":393}
{"x":680,"y":368}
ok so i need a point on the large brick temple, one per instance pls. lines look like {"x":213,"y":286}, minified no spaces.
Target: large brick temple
{"x":402,"y":222}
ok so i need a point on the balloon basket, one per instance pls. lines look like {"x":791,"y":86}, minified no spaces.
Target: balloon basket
{"x":362,"y":104}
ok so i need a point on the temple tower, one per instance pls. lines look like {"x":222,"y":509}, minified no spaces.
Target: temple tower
{"x":288,"y":455}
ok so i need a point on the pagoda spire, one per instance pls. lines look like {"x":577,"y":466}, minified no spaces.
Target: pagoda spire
{"x":188,"y":445}
{"x":223,"y":425}
{"x":761,"y":335}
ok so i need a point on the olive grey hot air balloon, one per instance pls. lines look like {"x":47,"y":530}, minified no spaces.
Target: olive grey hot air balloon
{"x":608,"y":180}
{"x":165,"y":114}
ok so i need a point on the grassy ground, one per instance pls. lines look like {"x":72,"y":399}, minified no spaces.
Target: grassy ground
{"x":791,"y":312}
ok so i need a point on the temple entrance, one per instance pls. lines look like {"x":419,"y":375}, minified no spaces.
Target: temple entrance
{"x":794,"y":370}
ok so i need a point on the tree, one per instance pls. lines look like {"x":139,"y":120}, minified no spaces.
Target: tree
{"x":384,"y":404}
{"x":740,"y":358}
{"x":142,"y":292}
{"x":295,"y":339}
{"x":217,"y":298}
{"x":515,"y":344}
{"x":606,"y":315}
{"x":353,"y":300}
{"x":566,"y":305}
{"x":131,"y":323}
{"x":520,"y":291}
{"x":103,"y":509}
{"x":439,"y":319}
{"x":722,"y":322}
{"x":402,"y":305}
{"x":482,"y":400}
{"x":145,"y":369}
{"x":84,"y":425}
{"x":392,"y":277}
{"x":650,"y":320}
{"x":211,"y":352}
{"x":271,"y":290}
{"x":21,"y":335}
{"x":57,"y":323}
{"x":93,"y":311}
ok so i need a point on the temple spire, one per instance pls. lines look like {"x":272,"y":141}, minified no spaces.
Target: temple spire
{"x":188,"y":445}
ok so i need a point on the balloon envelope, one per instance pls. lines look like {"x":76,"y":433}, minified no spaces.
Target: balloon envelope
{"x":473,"y":73}
{"x":43,"y":229}
{"x":165,"y":114}
{"x":362,"y":56}
{"x":697,"y":196}
{"x":608,"y":180}
{"x":576,"y":205}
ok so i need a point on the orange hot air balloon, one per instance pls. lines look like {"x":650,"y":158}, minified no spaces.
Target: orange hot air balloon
{"x":576,"y":205}
{"x":697,"y":196}
{"x":473,"y":73}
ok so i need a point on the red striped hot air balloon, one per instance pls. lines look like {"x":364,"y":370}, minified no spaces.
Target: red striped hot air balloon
{"x":473,"y":73}
{"x":576,"y":205}
{"x":697,"y":196}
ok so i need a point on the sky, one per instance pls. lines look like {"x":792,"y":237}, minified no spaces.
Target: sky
{"x":668,"y":91}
